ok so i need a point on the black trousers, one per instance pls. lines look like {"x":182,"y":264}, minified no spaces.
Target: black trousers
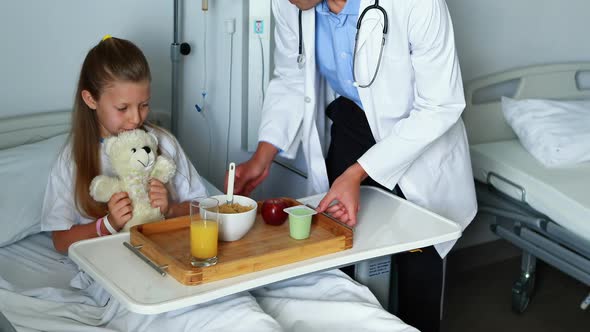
{"x":418,"y":279}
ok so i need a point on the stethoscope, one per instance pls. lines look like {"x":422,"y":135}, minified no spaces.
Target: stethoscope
{"x":301,"y":57}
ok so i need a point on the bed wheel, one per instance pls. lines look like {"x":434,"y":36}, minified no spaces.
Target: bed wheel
{"x":522,"y":290}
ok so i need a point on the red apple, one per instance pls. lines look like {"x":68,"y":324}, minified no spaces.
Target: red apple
{"x":272,"y":211}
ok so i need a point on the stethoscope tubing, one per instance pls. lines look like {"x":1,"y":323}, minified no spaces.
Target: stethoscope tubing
{"x":358,"y":28}
{"x":301,"y":57}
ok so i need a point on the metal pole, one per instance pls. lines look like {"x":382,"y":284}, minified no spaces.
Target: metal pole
{"x":175,"y":57}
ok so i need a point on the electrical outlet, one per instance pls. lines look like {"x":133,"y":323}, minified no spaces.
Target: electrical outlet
{"x":259,"y":26}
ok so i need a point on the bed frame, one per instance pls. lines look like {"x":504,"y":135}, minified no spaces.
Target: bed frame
{"x":515,"y":221}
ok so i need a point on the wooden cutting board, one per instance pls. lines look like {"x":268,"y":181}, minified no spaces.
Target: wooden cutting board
{"x":263,"y":247}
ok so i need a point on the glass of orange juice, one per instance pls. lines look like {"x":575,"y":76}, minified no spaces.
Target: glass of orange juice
{"x":204,"y":217}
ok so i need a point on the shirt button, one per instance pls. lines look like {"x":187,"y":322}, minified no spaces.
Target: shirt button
{"x":349,"y":81}
{"x":307,"y":100}
{"x":343,"y":55}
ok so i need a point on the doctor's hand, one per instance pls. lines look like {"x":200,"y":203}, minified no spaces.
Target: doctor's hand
{"x":251,"y":173}
{"x":120,"y":210}
{"x":346,"y":190}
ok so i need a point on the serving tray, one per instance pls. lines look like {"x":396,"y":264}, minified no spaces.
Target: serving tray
{"x":167,"y":245}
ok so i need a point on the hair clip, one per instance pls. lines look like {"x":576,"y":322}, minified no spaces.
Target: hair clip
{"x":106,"y":37}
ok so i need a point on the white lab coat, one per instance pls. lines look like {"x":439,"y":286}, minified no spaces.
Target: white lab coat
{"x":413,"y":107}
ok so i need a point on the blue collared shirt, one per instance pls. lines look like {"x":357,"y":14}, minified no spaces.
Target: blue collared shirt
{"x":334,"y":38}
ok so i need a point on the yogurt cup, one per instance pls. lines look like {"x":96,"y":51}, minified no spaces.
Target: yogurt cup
{"x":300,"y":221}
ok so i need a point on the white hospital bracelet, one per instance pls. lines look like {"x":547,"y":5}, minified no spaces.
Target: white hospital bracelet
{"x":107,"y":224}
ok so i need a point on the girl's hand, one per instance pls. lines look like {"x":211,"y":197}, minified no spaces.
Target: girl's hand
{"x":159,"y":196}
{"x":120,"y":210}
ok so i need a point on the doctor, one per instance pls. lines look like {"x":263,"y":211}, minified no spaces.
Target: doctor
{"x":395,"y":121}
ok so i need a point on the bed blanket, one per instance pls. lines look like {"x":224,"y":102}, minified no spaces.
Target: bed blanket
{"x":42,"y":290}
{"x":52,"y":309}
{"x":326,"y":301}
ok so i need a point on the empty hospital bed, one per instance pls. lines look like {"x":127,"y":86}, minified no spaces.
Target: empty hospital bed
{"x":41,"y":289}
{"x":545,"y":211}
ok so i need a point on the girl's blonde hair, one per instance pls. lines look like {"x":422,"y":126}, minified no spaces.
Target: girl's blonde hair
{"x":113,"y":59}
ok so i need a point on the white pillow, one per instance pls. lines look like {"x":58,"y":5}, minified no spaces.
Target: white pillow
{"x":24,"y":171}
{"x":557,"y":133}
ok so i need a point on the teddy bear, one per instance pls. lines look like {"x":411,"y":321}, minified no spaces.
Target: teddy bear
{"x":133,"y":157}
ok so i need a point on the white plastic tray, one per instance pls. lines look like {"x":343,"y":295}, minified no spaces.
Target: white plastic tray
{"x":386,"y":225}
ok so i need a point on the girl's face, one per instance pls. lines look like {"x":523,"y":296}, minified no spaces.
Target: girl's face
{"x":121,"y":106}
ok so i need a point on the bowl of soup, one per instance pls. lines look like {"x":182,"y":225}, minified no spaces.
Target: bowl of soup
{"x":235,"y":220}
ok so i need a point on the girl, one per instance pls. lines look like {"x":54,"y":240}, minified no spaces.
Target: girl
{"x":112,"y":96}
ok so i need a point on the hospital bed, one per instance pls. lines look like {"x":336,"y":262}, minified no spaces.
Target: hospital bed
{"x":41,"y":289}
{"x":544,"y":211}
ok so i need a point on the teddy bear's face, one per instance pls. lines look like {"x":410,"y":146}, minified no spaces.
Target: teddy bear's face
{"x":132,"y":152}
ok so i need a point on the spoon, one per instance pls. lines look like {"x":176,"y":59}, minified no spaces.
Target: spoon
{"x":230,"y":183}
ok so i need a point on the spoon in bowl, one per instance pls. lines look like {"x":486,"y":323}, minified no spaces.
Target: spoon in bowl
{"x":230,"y":183}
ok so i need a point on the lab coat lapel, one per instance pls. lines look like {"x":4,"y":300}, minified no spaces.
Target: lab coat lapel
{"x":308,"y":32}
{"x":316,"y":167}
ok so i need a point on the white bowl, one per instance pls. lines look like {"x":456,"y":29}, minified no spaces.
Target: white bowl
{"x":233,"y":226}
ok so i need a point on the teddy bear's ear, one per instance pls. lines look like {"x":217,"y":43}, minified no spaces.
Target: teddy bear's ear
{"x":154,"y":137}
{"x":108,"y":144}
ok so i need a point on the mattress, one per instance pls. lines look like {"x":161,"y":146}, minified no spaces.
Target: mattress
{"x":562,"y":194}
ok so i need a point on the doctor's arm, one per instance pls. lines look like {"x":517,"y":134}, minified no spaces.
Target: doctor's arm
{"x":438,"y":95}
{"x":438,"y":103}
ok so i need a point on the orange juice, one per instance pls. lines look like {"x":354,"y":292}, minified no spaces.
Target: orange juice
{"x":203,"y":239}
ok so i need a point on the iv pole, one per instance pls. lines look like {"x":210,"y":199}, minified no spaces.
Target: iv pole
{"x":176,"y":49}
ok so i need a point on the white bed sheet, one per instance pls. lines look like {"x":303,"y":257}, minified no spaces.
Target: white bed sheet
{"x":561,"y":194}
{"x":42,"y":290}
